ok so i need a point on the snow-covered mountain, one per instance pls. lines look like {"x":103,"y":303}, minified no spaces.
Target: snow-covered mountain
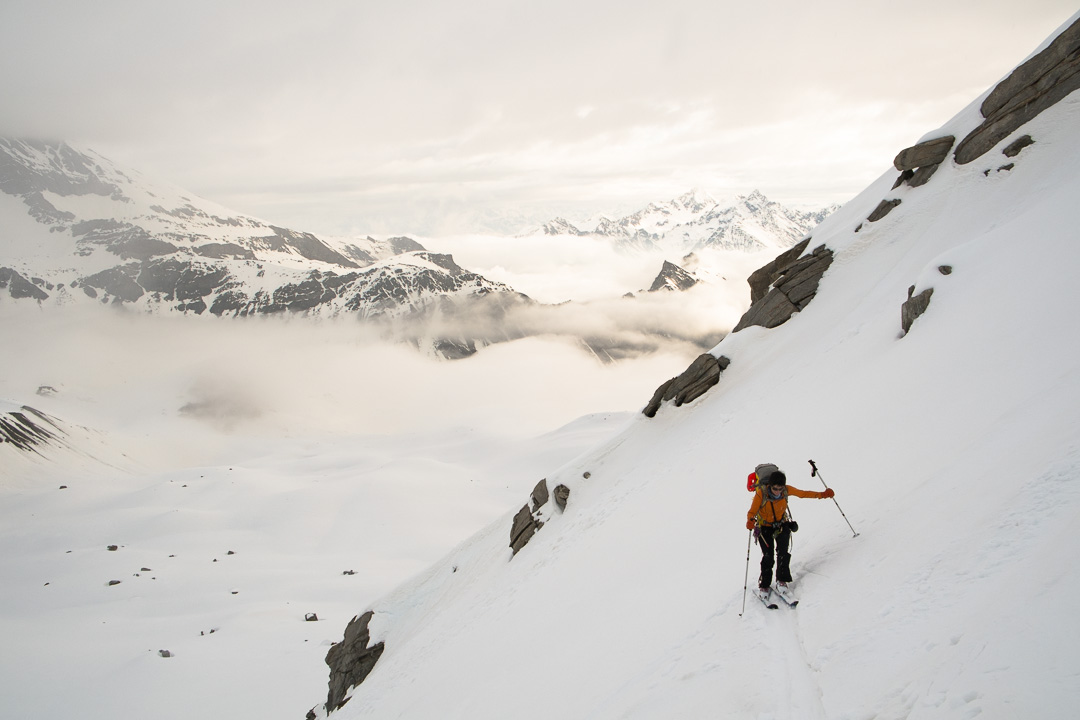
{"x":695,"y":221}
{"x":78,"y":229}
{"x":922,"y":348}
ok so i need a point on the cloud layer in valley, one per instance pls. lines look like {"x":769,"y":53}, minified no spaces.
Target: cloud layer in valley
{"x":304,"y":377}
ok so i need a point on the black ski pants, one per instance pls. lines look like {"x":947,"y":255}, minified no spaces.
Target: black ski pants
{"x":772,"y":542}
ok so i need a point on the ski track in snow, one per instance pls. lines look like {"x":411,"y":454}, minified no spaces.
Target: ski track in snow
{"x":797,"y":692}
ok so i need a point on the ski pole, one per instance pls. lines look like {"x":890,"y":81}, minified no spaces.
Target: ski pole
{"x":746,"y":575}
{"x":817,"y":473}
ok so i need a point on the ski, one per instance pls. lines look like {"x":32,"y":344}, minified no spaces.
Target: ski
{"x":763,"y":596}
{"x":785,"y":593}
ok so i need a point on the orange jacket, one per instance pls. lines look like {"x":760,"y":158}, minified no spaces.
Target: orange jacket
{"x":768,"y":512}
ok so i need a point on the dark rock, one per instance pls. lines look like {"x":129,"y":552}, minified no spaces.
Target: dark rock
{"x":1007,"y":167}
{"x":1031,"y":88}
{"x":182,"y":279}
{"x":119,"y":281}
{"x":915,"y":306}
{"x":903,"y":178}
{"x":311,"y":617}
{"x":297,"y":297}
{"x":794,"y":286}
{"x":112,"y":548}
{"x":672,"y":278}
{"x":522,"y":529}
{"x":945,"y":269}
{"x":19,"y":287}
{"x":220,"y":251}
{"x":165,"y":653}
{"x":702,"y":374}
{"x":540,"y":495}
{"x":113,"y":582}
{"x":25,"y":433}
{"x":351,"y":660}
{"x":761,"y":279}
{"x":562,"y":495}
{"x":402,"y":244}
{"x":454,"y":349}
{"x":303,"y":244}
{"x":922,"y":176}
{"x":121,"y":238}
{"x":884,"y":208}
{"x":1014,"y":148}
{"x":929,"y":152}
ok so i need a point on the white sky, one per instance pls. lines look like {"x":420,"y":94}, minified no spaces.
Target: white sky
{"x":431,"y":117}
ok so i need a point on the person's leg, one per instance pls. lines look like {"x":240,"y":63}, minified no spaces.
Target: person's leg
{"x":783,"y":557}
{"x":765,"y":540}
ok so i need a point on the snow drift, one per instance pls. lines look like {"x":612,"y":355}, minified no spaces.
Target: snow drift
{"x":952,"y":448}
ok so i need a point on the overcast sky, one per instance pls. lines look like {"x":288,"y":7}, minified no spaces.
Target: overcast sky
{"x":442,"y":116}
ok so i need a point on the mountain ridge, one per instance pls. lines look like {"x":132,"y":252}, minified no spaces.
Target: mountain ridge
{"x":695,"y":221}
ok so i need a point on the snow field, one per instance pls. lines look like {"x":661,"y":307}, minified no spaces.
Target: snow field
{"x":953,"y":452}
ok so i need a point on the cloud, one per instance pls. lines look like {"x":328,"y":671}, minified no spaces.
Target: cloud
{"x":427,"y":117}
{"x":121,"y":370}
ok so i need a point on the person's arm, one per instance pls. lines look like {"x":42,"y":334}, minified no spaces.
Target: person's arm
{"x":810,"y":493}
{"x":755,"y":507}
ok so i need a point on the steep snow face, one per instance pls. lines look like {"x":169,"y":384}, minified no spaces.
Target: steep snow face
{"x":953,"y":451}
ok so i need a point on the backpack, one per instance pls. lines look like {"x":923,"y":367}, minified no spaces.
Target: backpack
{"x":760,"y":476}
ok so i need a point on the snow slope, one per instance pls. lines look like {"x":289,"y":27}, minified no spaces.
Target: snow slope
{"x":953,"y":450}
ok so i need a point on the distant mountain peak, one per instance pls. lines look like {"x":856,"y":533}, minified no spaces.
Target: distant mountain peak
{"x":103,"y":235}
{"x":695,"y":220}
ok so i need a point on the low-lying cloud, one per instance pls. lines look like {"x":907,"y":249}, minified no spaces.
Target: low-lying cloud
{"x":303,"y":376}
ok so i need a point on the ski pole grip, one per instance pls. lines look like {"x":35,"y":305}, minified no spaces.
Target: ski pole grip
{"x":813,"y":472}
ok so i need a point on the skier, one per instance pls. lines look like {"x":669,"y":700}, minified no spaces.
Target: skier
{"x":772,"y":523}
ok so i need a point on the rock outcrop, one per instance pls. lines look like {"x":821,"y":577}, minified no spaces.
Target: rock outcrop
{"x":1037,"y":84}
{"x":1013,"y":149}
{"x":562,"y":496}
{"x":702,"y":374}
{"x":19,"y":287}
{"x":926,"y":153}
{"x":914,"y":306}
{"x":528,"y":521}
{"x":884,"y":208}
{"x":917,"y":164}
{"x":27,"y":428}
{"x":673,"y":278}
{"x":794,"y":284}
{"x":351,"y":660}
